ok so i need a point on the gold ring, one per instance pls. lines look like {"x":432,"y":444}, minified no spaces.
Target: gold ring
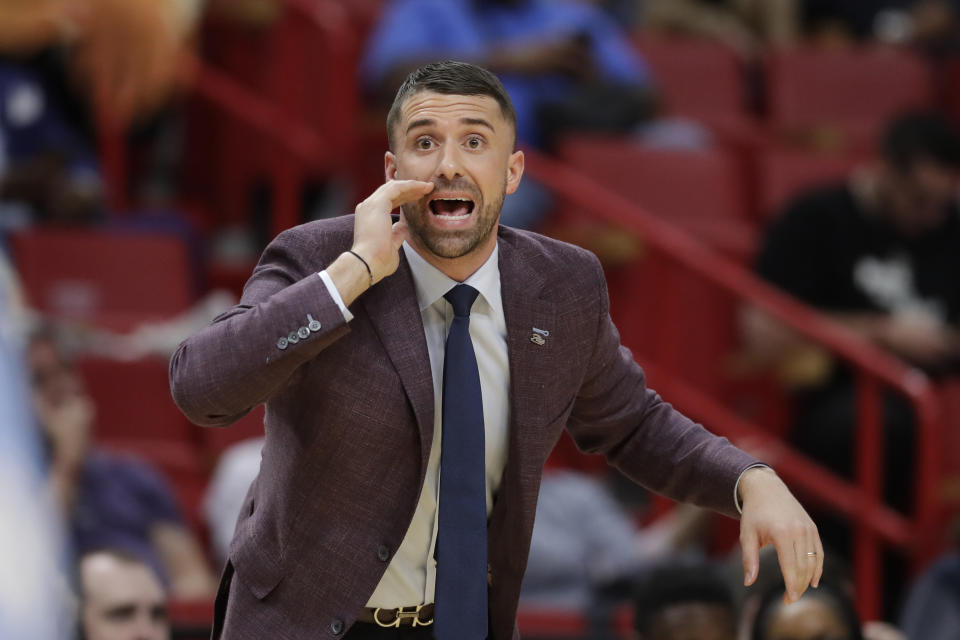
{"x":811,"y":553}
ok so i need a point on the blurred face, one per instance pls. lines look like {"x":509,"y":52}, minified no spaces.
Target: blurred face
{"x":53,"y":380}
{"x":809,"y":618}
{"x":918,"y":200}
{"x":694,"y":621}
{"x":122,"y":601}
{"x":464,"y":145}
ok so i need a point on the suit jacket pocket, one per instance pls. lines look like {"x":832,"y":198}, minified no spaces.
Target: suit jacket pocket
{"x":256,"y":562}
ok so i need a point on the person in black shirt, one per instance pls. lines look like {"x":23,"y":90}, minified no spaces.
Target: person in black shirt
{"x":881,"y":255}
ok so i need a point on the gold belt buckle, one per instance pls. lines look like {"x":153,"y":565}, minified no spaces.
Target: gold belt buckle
{"x":402,"y":615}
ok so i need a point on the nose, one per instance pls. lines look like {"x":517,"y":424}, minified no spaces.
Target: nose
{"x":450,"y":165}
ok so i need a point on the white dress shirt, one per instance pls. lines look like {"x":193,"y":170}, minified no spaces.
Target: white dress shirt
{"x":412,"y":573}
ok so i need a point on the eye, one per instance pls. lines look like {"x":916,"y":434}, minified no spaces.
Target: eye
{"x":424,"y":143}
{"x":474,"y":142}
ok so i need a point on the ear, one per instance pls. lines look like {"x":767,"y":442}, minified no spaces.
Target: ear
{"x":514,"y":170}
{"x":390,"y":166}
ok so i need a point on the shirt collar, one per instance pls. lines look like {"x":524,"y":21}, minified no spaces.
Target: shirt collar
{"x":431,"y":283}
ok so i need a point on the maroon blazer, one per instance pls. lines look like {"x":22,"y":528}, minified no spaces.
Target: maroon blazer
{"x":349,"y":423}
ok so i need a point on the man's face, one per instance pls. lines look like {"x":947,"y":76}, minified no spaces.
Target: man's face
{"x":694,"y":621}
{"x":464,"y":145}
{"x":122,"y":600}
{"x":54,"y":381}
{"x":918,"y":199}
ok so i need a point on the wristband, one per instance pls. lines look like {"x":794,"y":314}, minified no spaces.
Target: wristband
{"x":360,"y":258}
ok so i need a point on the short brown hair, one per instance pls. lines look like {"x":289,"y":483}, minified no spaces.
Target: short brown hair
{"x":451,"y":77}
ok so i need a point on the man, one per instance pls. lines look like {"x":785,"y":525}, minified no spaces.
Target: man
{"x":121,"y":598}
{"x":341,"y":332}
{"x":684,"y":602}
{"x":107,"y":500}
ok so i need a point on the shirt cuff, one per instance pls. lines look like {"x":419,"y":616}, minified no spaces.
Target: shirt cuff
{"x":332,"y":289}
{"x":736,"y":487}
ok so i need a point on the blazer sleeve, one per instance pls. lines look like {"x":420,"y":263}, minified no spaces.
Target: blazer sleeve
{"x":615,"y":414}
{"x":246,"y":355}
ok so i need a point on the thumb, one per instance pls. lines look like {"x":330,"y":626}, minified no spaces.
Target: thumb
{"x":399,"y":232}
{"x":750,"y":550}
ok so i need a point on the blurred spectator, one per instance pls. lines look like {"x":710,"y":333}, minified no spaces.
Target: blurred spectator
{"x":108,"y":500}
{"x":684,"y":602}
{"x":126,"y":53}
{"x":121,"y":598}
{"x":930,"y":24}
{"x":879,"y":255}
{"x":823,"y":613}
{"x":746,"y":25}
{"x":32,"y":607}
{"x":769,"y":587}
{"x":566,"y":65}
{"x":583,"y":542}
{"x":48,"y":172}
{"x":932,"y":609}
{"x":236,"y":469}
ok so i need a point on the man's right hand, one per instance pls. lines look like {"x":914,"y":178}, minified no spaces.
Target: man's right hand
{"x":376,"y":238}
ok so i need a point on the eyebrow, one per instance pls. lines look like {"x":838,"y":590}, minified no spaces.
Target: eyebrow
{"x":426,"y":122}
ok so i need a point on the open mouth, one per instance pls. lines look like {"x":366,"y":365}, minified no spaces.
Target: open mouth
{"x":451,"y":208}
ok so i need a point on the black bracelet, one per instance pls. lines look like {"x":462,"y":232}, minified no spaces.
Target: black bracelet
{"x":360,"y":258}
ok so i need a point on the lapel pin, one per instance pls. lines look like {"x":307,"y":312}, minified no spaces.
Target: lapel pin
{"x":538,"y":336}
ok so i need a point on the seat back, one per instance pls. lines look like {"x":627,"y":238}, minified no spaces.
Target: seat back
{"x":112,"y":279}
{"x":855,"y":91}
{"x":696,"y":78}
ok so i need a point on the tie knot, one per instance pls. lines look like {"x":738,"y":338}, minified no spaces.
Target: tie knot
{"x":461,"y":298}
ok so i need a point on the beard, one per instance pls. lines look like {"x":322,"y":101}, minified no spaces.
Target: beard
{"x":453,"y":244}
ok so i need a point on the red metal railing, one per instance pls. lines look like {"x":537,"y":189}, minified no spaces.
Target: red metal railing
{"x":860,"y":502}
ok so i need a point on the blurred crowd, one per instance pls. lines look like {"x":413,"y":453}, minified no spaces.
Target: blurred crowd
{"x":876,"y":248}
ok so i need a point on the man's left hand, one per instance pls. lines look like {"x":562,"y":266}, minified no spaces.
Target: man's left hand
{"x":771,"y":515}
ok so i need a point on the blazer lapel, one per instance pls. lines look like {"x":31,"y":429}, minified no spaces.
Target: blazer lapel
{"x":521,"y":285}
{"x":393,"y":310}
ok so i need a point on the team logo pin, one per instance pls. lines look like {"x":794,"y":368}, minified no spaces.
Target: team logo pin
{"x":539,"y":336}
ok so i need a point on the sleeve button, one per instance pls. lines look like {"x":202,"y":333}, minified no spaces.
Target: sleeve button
{"x":383,"y":553}
{"x":303,"y":333}
{"x":282,"y":344}
{"x":336,"y":627}
{"x":293,"y":338}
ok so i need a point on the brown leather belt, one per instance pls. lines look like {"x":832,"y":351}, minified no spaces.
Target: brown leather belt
{"x":420,"y":615}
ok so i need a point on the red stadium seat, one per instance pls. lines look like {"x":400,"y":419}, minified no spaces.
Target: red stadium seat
{"x":855,"y":91}
{"x":696,"y":78}
{"x":703,"y":81}
{"x":658,"y":307}
{"x":701,"y":191}
{"x":111,"y":279}
{"x":785,"y":173}
{"x":133,"y":401}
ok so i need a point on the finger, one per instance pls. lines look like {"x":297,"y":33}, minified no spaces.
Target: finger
{"x":818,"y":544}
{"x":750,"y":549}
{"x":404,"y":191}
{"x":787,"y":556}
{"x":809,"y":562}
{"x":400,"y":232}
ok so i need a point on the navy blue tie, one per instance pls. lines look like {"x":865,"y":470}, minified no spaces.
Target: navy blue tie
{"x":461,"y":588}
